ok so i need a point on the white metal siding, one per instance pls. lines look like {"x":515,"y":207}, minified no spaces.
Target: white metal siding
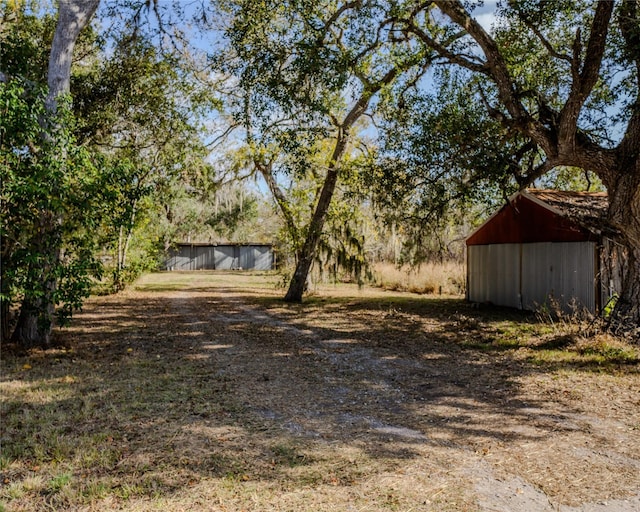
{"x":563,"y":271}
{"x":225,"y":257}
{"x":263,"y":257}
{"x":494,"y":274}
{"x":526,"y":275}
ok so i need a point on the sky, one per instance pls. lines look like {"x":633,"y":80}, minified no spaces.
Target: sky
{"x":485,"y":15}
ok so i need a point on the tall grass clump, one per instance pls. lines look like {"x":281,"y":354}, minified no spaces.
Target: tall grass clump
{"x":446,"y":278}
{"x":575,"y":331}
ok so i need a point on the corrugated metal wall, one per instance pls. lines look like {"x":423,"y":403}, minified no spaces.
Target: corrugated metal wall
{"x":256,"y":257}
{"x":262,"y":257}
{"x":202,"y":258}
{"x":221,"y":257}
{"x":564,"y":271}
{"x":225,"y":257}
{"x":494,"y":274}
{"x":247,"y":257}
{"x":526,"y":275}
{"x":180,"y":260}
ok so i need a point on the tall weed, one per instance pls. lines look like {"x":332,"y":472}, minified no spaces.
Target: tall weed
{"x":446,"y":278}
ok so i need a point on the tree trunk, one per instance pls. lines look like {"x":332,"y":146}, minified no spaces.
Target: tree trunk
{"x":73,"y":17}
{"x":119,"y":263}
{"x":27,"y":333}
{"x":125,"y":249}
{"x":35,"y":321}
{"x":307,"y":253}
{"x":626,"y":314}
{"x":36,"y":315}
{"x":281,"y":200}
{"x":5,"y":318}
{"x":33,"y":328}
{"x":624,"y":215}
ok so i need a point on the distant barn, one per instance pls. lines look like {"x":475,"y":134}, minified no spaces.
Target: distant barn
{"x":199,"y":256}
{"x":545,"y":246}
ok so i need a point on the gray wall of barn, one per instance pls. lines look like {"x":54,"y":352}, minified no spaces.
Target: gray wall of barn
{"x":221,"y":257}
{"x":525,"y":276}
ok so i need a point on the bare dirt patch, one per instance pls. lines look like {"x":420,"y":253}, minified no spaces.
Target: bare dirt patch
{"x":203,"y":391}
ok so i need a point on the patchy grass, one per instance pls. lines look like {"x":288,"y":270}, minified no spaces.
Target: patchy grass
{"x":597,"y":352}
{"x":205,"y":391}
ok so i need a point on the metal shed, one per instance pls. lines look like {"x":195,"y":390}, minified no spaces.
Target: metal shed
{"x":545,"y":245}
{"x":198,"y":256}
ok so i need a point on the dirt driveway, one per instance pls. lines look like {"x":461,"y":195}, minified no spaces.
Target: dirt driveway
{"x":213,"y":395}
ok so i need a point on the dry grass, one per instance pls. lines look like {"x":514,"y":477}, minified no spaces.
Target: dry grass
{"x":205,"y":392}
{"x":430,"y":278}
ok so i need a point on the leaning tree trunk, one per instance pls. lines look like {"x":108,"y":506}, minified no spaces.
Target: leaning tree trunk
{"x":35,"y":320}
{"x":307,"y":253}
{"x":279,"y":197}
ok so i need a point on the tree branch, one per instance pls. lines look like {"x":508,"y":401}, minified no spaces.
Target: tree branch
{"x":534,"y":173}
{"x":629,"y":17}
{"x":266,"y":170}
{"x":497,"y":70}
{"x":584,"y":82}
{"x":443,"y":51}
{"x":546,"y":43}
{"x":222,"y":137}
{"x":495,"y":66}
{"x":335,"y":16}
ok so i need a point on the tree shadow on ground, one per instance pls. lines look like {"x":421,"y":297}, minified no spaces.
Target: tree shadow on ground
{"x":155,"y":393}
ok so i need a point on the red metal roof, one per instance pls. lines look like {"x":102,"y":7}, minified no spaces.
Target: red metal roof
{"x":544,"y":216}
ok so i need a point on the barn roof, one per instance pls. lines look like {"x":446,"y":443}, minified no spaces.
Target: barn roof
{"x":535,"y":215}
